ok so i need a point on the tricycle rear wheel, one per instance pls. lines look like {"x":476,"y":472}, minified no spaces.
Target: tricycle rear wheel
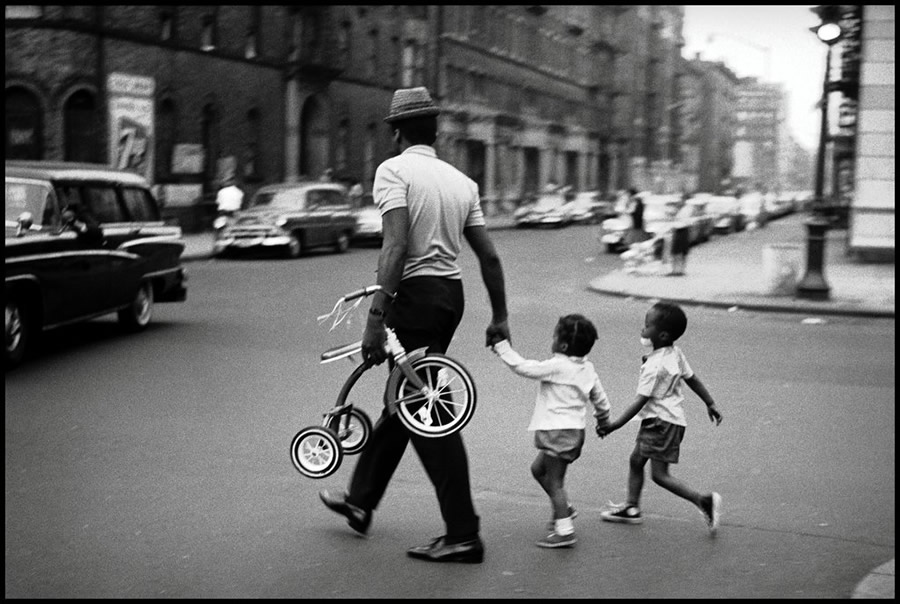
{"x":316,"y":452}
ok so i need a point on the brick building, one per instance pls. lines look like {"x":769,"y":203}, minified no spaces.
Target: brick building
{"x":193,"y":95}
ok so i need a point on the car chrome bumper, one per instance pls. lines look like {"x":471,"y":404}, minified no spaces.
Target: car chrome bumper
{"x":247,"y":242}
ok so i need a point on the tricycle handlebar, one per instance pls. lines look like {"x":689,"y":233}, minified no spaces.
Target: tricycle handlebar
{"x":366,"y":291}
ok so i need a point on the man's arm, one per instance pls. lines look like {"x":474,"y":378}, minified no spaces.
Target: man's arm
{"x":394,"y":248}
{"x":492,"y":275}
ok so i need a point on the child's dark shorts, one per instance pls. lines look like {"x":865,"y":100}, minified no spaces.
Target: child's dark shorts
{"x":563,"y":444}
{"x":660,"y":440}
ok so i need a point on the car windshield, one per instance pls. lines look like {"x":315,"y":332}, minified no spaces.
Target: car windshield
{"x":25,"y":197}
{"x":278,"y":199}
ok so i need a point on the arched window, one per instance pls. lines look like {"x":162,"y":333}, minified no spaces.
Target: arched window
{"x":208,"y":33}
{"x":167,"y":124}
{"x":209,"y":126}
{"x":81,"y":128}
{"x":369,"y":154}
{"x":343,"y":146}
{"x":251,"y":167}
{"x":24,"y":125}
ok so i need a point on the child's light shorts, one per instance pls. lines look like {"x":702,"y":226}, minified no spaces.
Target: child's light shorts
{"x":564,"y":444}
{"x":660,"y":440}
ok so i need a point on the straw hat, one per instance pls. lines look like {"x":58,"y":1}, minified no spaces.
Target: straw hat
{"x":411,"y":102}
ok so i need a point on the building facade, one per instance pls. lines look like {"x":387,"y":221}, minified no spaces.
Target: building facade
{"x":710,"y":96}
{"x":759,"y":135}
{"x":192,"y":96}
{"x":873,"y":206}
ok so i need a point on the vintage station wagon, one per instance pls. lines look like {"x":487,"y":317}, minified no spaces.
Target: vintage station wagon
{"x":83,"y":240}
{"x":292,"y":218}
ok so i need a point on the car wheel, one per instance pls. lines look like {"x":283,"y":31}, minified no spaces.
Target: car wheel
{"x":610,"y":248}
{"x":294,"y":247}
{"x":136,"y":316}
{"x":342,"y":243}
{"x":17,"y":333}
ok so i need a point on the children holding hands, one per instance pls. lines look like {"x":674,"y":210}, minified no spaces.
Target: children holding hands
{"x":569,"y":383}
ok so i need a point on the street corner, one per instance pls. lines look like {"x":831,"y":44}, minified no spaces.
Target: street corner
{"x":878,"y":584}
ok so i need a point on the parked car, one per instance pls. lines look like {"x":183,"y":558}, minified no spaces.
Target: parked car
{"x":547,"y":211}
{"x":780,"y":205}
{"x":83,"y":240}
{"x":588,"y":208}
{"x":694,"y":214}
{"x":368,"y":222}
{"x":659,"y":211}
{"x":726,"y":213}
{"x":292,"y":218}
{"x":753,"y":209}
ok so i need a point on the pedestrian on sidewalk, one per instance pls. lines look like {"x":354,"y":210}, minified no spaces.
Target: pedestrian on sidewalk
{"x":659,"y":407}
{"x":568,"y":382}
{"x":636,"y":234}
{"x":428,"y":207}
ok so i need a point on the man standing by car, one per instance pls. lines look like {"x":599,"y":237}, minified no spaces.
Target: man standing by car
{"x":427,"y":207}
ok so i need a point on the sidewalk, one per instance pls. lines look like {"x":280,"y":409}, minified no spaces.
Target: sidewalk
{"x":728,"y":272}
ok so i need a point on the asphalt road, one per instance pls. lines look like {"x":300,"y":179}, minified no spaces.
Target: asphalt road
{"x":157,"y":465}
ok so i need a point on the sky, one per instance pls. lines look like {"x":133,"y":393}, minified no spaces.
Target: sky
{"x":770,"y":42}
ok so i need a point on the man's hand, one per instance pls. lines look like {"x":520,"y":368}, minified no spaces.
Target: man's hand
{"x":373,"y":342}
{"x":496,"y":332}
{"x":714,"y":415}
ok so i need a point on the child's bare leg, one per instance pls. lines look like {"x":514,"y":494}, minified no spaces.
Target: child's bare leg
{"x":550,"y":472}
{"x":635,"y":477}
{"x":659,"y":472}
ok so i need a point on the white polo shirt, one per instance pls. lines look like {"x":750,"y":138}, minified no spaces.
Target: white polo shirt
{"x":441,"y":202}
{"x":662,"y":380}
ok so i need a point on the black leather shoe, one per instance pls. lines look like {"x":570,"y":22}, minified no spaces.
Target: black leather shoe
{"x":471,"y":551}
{"x":358,"y":518}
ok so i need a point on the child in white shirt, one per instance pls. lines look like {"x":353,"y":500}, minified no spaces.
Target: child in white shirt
{"x":658,"y":405}
{"x":568,"y":383}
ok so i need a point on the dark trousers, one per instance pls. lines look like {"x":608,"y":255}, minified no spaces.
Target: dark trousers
{"x":425,"y":313}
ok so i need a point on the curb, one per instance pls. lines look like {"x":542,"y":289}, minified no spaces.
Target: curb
{"x":878,"y":584}
{"x":773,"y":307}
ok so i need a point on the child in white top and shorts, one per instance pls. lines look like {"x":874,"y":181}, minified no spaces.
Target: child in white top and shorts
{"x":568,"y":383}
{"x":658,"y":405}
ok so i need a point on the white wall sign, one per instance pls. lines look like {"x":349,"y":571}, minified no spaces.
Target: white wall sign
{"x":131,"y":123}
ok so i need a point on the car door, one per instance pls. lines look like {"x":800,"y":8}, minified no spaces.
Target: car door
{"x":46,"y":256}
{"x":318,"y":222}
{"x":120,"y":268}
{"x":159,"y":245}
{"x":339,"y":213}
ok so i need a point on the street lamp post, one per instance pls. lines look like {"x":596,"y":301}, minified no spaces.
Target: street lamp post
{"x":813,"y":285}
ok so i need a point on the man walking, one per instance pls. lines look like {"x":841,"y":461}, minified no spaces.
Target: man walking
{"x":427,"y":208}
